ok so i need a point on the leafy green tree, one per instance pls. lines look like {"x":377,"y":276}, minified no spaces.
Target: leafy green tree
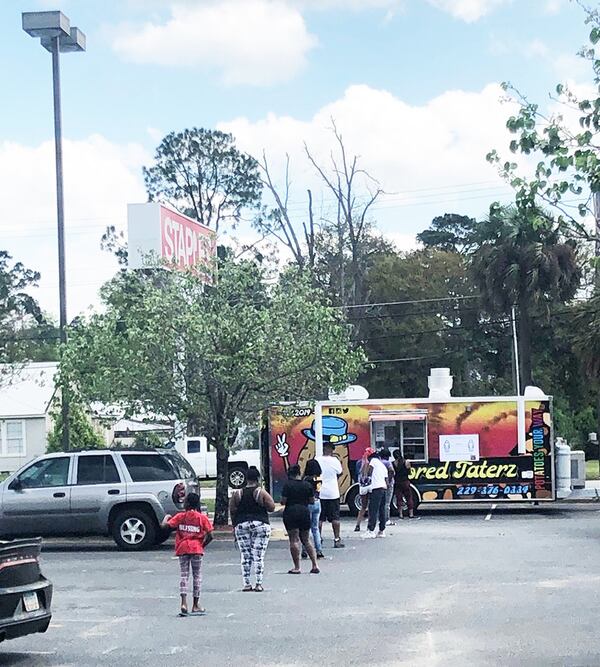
{"x":20,"y":314}
{"x":202,"y":174}
{"x":82,"y":434}
{"x":450,"y":232}
{"x":211,"y":357}
{"x":523,"y":260}
{"x":568,"y":168}
{"x":410,"y":337}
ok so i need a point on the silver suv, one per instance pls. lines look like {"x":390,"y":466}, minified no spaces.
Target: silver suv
{"x":123,"y":493}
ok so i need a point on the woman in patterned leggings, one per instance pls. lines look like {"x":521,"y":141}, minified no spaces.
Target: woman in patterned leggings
{"x":249,"y":512}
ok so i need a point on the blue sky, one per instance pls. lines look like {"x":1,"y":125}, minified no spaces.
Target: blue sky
{"x":415,"y":53}
{"x":412,"y":83}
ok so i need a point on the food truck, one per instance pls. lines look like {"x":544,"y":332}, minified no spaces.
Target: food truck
{"x":474,"y":449}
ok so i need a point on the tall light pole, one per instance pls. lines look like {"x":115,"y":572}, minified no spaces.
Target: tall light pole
{"x":57,"y":36}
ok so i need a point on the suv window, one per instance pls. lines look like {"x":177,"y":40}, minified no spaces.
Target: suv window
{"x":148,"y":467}
{"x":47,"y":472}
{"x":97,"y":469}
{"x":181,"y":465}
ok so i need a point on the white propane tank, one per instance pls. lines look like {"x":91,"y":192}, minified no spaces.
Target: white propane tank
{"x":563,"y":468}
{"x":440,"y":383}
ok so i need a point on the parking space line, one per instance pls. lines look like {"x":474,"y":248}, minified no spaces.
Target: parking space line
{"x":489,"y":516}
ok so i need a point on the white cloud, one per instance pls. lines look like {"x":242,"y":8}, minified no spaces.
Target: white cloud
{"x":553,"y":7}
{"x":100,"y":179}
{"x":537,"y":48}
{"x":468,"y":10}
{"x":257,"y":42}
{"x":431,"y":158}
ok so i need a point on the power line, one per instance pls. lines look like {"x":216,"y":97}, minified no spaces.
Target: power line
{"x":411,"y":301}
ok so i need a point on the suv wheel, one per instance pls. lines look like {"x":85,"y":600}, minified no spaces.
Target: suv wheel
{"x":134,"y":530}
{"x":237,"y":478}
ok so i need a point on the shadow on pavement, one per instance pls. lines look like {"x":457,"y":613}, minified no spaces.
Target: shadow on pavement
{"x":9,"y":659}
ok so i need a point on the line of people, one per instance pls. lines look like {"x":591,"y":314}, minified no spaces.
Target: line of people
{"x":308,"y":502}
{"x":379,"y":481}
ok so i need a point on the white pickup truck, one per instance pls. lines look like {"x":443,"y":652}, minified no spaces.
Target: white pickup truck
{"x":203,"y":458}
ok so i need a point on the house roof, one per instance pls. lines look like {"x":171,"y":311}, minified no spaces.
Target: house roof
{"x":134,"y":426}
{"x":26,"y":391}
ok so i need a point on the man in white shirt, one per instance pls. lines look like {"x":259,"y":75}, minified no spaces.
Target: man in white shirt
{"x":379,"y":482}
{"x":331,"y":469}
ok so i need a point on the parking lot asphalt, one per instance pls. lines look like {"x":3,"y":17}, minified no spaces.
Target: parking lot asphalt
{"x":509,"y":586}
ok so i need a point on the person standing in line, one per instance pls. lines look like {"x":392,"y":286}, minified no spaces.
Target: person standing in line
{"x":402,"y":485}
{"x":312,"y":475}
{"x":194,"y":533}
{"x":297,"y":495}
{"x":364,"y":485}
{"x":331,"y":469}
{"x":379,"y":476}
{"x":385,"y":456}
{"x":249,"y":509}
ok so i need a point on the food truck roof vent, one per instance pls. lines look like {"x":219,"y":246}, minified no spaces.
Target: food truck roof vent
{"x":440,"y":383}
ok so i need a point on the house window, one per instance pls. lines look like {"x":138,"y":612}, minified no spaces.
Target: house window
{"x":13,"y":438}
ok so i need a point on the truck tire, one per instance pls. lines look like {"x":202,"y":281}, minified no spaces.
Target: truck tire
{"x":237,"y":477}
{"x":134,"y":529}
{"x":353,"y":500}
{"x":394,"y":506}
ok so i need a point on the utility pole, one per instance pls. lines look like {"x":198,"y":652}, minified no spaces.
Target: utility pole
{"x":56,"y":35}
{"x":597,"y":242}
{"x":597,"y":290}
{"x":516,"y":350}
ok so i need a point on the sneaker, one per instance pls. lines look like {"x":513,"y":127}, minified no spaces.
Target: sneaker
{"x":370,"y":534}
{"x":390,"y":523}
{"x":381,"y":533}
{"x":338,"y":544}
{"x":304,"y":555}
{"x":320,"y":554}
{"x":414,"y":518}
{"x":357,"y":529}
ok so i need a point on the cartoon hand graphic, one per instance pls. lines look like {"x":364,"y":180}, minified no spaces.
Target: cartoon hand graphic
{"x":282,"y":447}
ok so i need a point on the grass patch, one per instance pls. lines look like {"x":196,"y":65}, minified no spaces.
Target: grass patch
{"x":3,"y":475}
{"x":210,"y":504}
{"x":591,"y":469}
{"x":208,"y":483}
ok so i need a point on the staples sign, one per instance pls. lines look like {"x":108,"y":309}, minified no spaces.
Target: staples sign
{"x":156,"y":231}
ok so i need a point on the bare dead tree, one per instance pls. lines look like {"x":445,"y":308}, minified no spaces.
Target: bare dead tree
{"x":342,"y":179}
{"x":279,"y":224}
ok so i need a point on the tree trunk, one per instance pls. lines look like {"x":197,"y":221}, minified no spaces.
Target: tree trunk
{"x":222,"y":490}
{"x":525,"y":344}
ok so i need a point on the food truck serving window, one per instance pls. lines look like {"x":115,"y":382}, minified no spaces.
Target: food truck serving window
{"x":397,"y":430}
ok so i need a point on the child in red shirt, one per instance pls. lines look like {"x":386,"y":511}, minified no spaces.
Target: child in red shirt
{"x":194,"y":532}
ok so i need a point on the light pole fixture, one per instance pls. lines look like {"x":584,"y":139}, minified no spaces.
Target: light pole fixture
{"x":57,"y":36}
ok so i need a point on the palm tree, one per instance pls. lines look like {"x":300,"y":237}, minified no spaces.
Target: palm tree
{"x":523,"y":260}
{"x":586,"y":338}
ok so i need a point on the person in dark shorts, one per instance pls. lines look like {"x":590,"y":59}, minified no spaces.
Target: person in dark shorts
{"x":331,"y":470}
{"x":297,"y":495}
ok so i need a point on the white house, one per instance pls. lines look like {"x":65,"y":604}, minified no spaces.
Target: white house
{"x":25,"y":398}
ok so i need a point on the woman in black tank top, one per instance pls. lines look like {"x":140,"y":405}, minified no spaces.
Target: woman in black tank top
{"x":249,"y":510}
{"x":402,"y":485}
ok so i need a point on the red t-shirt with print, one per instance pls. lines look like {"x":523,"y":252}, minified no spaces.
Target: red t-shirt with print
{"x":192,"y":527}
